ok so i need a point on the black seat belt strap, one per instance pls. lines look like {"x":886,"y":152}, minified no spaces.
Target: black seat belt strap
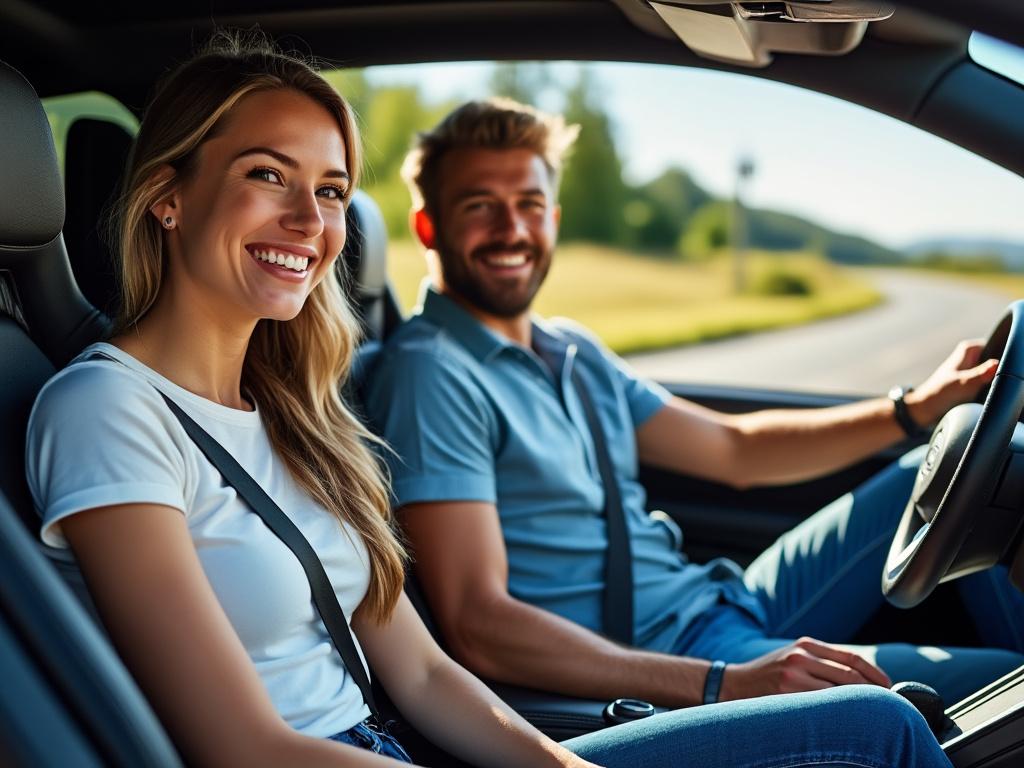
{"x":618,"y":588}
{"x":280,"y":524}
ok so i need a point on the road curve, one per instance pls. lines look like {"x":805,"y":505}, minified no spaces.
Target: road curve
{"x":898,"y":342}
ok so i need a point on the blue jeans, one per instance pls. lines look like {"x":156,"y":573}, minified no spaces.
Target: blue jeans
{"x":856,"y":726}
{"x":367,"y":736}
{"x":823,"y":580}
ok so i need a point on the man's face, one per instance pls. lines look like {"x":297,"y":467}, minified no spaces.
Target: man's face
{"x":496,"y":226}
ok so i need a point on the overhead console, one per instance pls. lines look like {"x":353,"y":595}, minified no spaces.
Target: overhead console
{"x":749,"y":33}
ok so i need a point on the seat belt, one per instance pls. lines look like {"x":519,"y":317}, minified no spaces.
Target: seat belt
{"x":617,"y":619}
{"x":280,"y":524}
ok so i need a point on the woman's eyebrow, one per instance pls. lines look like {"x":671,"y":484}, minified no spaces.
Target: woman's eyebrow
{"x":290,"y":162}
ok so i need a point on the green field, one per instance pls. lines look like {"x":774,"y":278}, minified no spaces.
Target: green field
{"x":636,"y":303}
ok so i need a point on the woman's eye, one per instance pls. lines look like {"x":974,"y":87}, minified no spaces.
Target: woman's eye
{"x":265,"y":174}
{"x":331,"y":192}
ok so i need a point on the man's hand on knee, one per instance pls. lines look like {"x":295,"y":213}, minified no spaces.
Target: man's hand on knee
{"x":803,"y":665}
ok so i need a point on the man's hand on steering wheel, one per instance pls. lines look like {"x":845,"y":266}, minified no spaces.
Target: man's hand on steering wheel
{"x":957,"y":380}
{"x":803,"y":665}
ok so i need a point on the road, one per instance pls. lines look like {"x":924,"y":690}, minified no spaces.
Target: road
{"x":899,"y":342}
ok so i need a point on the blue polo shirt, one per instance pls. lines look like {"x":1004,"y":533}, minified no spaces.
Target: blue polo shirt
{"x":473,"y":416}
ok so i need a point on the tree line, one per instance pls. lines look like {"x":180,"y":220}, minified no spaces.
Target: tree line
{"x":671,"y":216}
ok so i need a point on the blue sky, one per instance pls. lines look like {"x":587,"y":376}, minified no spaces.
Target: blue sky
{"x":840,"y":164}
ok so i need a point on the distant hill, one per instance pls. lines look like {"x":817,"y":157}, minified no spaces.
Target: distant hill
{"x":1011,"y":253}
{"x":775,"y":230}
{"x":660,"y":213}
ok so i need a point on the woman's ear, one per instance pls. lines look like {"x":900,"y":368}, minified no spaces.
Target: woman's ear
{"x":423,"y":226}
{"x":166,"y":210}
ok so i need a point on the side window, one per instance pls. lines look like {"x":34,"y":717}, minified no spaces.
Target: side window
{"x":92,"y":134}
{"x":64,"y":111}
{"x":726,"y":229}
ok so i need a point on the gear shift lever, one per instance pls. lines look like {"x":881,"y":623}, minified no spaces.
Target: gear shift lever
{"x":927,"y":701}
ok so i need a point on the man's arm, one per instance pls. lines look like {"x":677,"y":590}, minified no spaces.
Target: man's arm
{"x":775,"y":447}
{"x":462,"y":565}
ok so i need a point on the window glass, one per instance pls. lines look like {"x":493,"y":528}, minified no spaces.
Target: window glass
{"x":63,"y":111}
{"x":726,"y":229}
{"x":999,"y":56}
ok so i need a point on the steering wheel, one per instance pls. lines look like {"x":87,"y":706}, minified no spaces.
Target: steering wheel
{"x":965,"y":508}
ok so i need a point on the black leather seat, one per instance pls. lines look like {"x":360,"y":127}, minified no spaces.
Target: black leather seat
{"x":87,"y":695}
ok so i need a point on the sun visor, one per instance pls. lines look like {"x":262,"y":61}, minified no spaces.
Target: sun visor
{"x":32,"y":213}
{"x":749,"y":33}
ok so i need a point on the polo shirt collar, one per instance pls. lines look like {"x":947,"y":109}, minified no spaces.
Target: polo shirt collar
{"x":477,"y":338}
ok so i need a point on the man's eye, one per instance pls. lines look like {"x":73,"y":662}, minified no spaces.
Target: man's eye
{"x":265,"y":174}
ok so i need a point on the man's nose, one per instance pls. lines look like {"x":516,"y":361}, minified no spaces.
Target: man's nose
{"x":510,"y":222}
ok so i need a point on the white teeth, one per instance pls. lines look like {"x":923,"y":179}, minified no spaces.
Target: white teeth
{"x":289,"y":261}
{"x":515,"y":260}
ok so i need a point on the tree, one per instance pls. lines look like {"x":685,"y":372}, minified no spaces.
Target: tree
{"x":523,"y":82}
{"x":708,"y":231}
{"x":660,"y":210}
{"x":593,"y":194}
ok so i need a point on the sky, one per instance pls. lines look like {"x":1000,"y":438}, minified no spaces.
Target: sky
{"x":841,"y":165}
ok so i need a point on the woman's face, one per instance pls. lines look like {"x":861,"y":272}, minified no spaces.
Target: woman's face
{"x":266,"y":189}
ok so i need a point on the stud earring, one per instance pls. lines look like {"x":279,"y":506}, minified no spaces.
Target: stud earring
{"x":169,"y":222}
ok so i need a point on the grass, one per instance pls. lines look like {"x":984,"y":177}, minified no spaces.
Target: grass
{"x":639,"y":303}
{"x":1010,"y":285}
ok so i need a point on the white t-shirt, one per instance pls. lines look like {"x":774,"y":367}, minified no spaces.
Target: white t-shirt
{"x":100,"y":434}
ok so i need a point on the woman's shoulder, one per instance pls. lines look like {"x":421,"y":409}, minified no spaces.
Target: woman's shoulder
{"x":96,"y":381}
{"x":96,"y":394}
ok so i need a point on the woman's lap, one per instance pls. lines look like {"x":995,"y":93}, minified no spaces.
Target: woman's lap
{"x":861,"y":726}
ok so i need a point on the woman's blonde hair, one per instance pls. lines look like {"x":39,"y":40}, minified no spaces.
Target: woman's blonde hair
{"x":293,"y":370}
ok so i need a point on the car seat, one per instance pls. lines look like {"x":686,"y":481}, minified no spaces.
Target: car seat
{"x":66,"y":697}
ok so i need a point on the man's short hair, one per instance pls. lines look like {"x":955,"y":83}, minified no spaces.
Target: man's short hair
{"x":496,"y":123}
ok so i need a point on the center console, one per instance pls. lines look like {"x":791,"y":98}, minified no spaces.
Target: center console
{"x":988,"y":727}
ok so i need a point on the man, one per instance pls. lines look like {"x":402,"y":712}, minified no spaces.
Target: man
{"x":496,"y":472}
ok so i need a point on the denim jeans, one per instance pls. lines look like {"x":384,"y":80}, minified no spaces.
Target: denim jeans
{"x":823,"y":579}
{"x":854,"y":726}
{"x":367,"y":735}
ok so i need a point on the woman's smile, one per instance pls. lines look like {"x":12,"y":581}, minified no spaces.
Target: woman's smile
{"x":286,"y":262}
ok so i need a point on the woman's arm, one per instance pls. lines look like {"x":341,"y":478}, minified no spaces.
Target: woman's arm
{"x":446,"y":703}
{"x":164,"y":618}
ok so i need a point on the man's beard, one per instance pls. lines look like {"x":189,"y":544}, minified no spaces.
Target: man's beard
{"x":493,"y":299}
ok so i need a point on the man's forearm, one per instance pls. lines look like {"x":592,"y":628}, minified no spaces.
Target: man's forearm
{"x":516,"y":643}
{"x":784,"y":446}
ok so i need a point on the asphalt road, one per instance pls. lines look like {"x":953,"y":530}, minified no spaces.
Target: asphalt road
{"x":899,"y":342}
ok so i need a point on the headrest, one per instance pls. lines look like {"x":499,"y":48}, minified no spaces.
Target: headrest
{"x":366,"y":247}
{"x":32,"y":208}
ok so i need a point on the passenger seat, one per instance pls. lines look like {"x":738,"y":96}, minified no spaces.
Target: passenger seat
{"x":66,"y":698}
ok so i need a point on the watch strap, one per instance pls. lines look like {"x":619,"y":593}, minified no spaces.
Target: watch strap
{"x":713,"y":682}
{"x":901,"y":413}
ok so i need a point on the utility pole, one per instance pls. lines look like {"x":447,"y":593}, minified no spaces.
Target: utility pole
{"x":744,"y":172}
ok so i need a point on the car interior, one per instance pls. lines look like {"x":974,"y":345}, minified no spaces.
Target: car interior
{"x":67,"y":699}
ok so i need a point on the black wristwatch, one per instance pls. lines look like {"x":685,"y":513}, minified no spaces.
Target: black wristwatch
{"x":713,"y":682}
{"x":902,"y":413}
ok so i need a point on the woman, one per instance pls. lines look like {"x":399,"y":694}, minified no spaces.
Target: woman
{"x":232,"y":216}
